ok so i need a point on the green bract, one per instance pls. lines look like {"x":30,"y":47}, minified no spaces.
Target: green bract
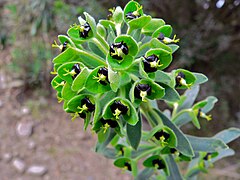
{"x":113,"y":74}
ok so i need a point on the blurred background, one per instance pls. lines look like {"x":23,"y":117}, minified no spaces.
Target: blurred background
{"x":39,"y":141}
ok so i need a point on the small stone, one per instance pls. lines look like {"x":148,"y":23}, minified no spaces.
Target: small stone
{"x":7,"y":157}
{"x":19,"y":165}
{"x":37,"y":170}
{"x":25,"y":110}
{"x":31,"y":145}
{"x":24,"y":129}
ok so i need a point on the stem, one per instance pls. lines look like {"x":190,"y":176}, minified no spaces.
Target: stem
{"x":180,"y":113}
{"x":118,"y":29}
{"x":129,"y":30}
{"x":102,"y":41}
{"x":147,"y":153}
{"x":100,"y":46}
{"x":175,"y":107}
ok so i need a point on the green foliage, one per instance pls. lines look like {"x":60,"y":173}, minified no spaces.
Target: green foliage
{"x":112,"y":72}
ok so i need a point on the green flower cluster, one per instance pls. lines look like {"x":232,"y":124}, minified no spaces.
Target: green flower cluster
{"x":111,"y":74}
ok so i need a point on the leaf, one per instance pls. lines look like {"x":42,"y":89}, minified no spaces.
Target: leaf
{"x":194,"y":119}
{"x":174,"y":48}
{"x":211,"y":101}
{"x":183,"y":145}
{"x":101,"y":30}
{"x":173,"y":169}
{"x":162,"y":77}
{"x":149,"y":28}
{"x":155,"y":43}
{"x":107,"y":23}
{"x":191,"y":95}
{"x":120,"y":65}
{"x":145,"y":174}
{"x":91,"y":22}
{"x":134,"y":133}
{"x":223,"y":153}
{"x":95,"y":49}
{"x":165,"y":29}
{"x":118,"y":15}
{"x":206,"y":144}
{"x":80,"y":80}
{"x":170,"y":93}
{"x":101,"y":147}
{"x":139,"y":22}
{"x":200,"y":78}
{"x":114,"y":79}
{"x":74,"y":54}
{"x":64,"y":38}
{"x":228,"y":135}
{"x":67,"y":92}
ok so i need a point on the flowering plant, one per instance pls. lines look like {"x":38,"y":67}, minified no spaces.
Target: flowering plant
{"x":111,"y":74}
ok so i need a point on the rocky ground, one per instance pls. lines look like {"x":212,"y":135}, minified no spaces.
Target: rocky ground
{"x":41,"y":142}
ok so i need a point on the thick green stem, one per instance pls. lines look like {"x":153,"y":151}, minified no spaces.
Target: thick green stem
{"x":144,"y":154}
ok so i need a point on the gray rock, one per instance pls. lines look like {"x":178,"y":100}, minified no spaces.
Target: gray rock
{"x":24,"y":129}
{"x":7,"y":157}
{"x":37,"y":170}
{"x":19,"y":165}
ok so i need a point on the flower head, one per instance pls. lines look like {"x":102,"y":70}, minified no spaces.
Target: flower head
{"x":158,"y":163}
{"x":118,"y":50}
{"x":162,"y":136}
{"x":102,"y":76}
{"x":142,"y":90}
{"x":151,"y":63}
{"x":167,"y":40}
{"x":84,"y":30}
{"x":181,"y":81}
{"x":86,"y":106}
{"x":118,"y":109}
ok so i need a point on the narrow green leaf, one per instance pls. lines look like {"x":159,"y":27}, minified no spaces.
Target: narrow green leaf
{"x":206,"y":144}
{"x":170,"y":93}
{"x":80,"y":80}
{"x":134,"y":133}
{"x":228,"y":135}
{"x":200,"y":78}
{"x":149,"y":28}
{"x":173,"y":169}
{"x":114,"y":79}
{"x":145,"y":174}
{"x":67,"y":92}
{"x":174,"y":48}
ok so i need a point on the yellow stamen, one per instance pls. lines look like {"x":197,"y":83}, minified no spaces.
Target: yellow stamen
{"x":106,"y":126}
{"x":72,"y":72}
{"x":203,"y":115}
{"x":117,"y":113}
{"x":143,"y":94}
{"x":83,"y":108}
